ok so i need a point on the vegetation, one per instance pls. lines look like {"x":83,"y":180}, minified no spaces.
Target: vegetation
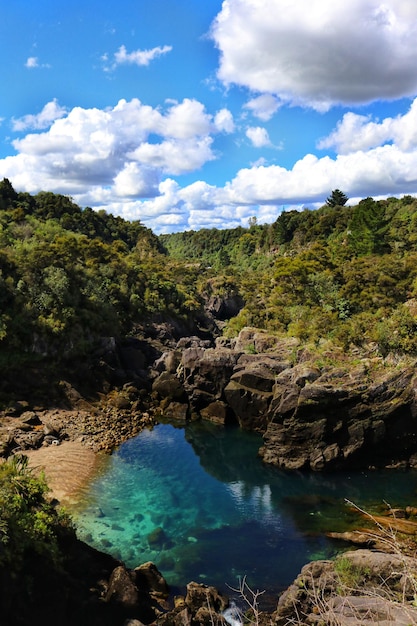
{"x":29,"y":523}
{"x":70,"y":276}
{"x":337,"y":198}
{"x":346,"y":274}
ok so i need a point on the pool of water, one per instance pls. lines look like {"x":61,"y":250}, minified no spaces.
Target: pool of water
{"x":200,"y":504}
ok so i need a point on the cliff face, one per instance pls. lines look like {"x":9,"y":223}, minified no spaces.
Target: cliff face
{"x":320,"y":410}
{"x":340,"y":413}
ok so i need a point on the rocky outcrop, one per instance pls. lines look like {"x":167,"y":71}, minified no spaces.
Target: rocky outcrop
{"x":332,"y":412}
{"x":202,"y":606}
{"x":343,"y":413}
{"x":358,"y":587}
{"x":342,"y":418}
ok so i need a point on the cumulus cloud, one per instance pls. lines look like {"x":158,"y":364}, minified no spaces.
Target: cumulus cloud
{"x":123,"y":160}
{"x":359,"y":132}
{"x":224,"y":122}
{"x":137,"y":57}
{"x":258,"y":136}
{"x":333,"y":52}
{"x":50,"y":112}
{"x":106,"y":157}
{"x":264,"y":190}
{"x":263,"y":107}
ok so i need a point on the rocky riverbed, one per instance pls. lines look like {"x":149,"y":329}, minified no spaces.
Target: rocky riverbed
{"x":316,"y":410}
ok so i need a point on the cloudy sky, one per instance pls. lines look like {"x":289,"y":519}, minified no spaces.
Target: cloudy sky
{"x":187,"y":114}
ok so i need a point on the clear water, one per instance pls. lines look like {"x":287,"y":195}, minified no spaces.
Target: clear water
{"x":200,"y":504}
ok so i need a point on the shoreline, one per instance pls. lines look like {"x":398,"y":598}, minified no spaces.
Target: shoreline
{"x":68,"y":468}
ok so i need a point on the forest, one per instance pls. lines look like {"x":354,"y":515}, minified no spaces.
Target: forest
{"x":71,"y":275}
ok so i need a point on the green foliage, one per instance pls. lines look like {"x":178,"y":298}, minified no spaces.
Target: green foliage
{"x":337,"y":198}
{"x":69,"y":276}
{"x":29,"y":524}
{"x":351,"y":576}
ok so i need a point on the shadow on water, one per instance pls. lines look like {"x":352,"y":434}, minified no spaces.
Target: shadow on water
{"x":200,"y":504}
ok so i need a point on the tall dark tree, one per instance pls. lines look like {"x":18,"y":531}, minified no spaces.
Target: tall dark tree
{"x":337,"y":198}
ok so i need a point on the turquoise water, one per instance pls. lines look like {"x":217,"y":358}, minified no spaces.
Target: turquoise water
{"x":200,"y":504}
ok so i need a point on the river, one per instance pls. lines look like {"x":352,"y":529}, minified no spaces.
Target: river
{"x":199,"y":503}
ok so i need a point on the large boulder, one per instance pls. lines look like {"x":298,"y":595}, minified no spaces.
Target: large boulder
{"x":205,"y":374}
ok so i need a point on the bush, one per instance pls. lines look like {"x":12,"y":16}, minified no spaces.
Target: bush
{"x":30,"y":525}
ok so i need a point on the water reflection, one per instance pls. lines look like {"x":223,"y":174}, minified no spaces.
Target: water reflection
{"x":201,"y":505}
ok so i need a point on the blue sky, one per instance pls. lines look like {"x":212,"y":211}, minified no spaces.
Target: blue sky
{"x":188,"y":114}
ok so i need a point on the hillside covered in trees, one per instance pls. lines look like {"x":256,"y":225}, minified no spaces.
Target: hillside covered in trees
{"x":347,"y":274}
{"x":70,"y":276}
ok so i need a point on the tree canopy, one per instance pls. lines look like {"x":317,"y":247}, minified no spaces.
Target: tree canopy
{"x":70,"y":276}
{"x":337,"y":198}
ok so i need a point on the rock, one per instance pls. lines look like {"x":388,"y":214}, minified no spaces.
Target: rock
{"x":133,"y":592}
{"x":368,"y":611}
{"x":348,"y":591}
{"x":336,"y":421}
{"x":16,"y":409}
{"x":122,"y":588}
{"x":157,"y":537}
{"x":205,"y":374}
{"x":31,"y":418}
{"x":216,"y":412}
{"x":224,"y":307}
{"x":168,"y":362}
{"x":354,"y":537}
{"x":249,"y":405}
{"x":199,"y":595}
{"x":255,"y":375}
{"x":168,"y":385}
{"x":149,"y":578}
{"x":176,"y":411}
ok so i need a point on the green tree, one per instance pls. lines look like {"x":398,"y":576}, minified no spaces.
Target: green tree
{"x":337,"y":198}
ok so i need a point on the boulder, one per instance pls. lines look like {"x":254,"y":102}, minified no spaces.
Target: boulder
{"x":249,"y":405}
{"x":122,"y":589}
{"x":200,"y":595}
{"x":224,"y":307}
{"x":216,"y":412}
{"x":149,"y":579}
{"x":168,"y":385}
{"x":205,"y":374}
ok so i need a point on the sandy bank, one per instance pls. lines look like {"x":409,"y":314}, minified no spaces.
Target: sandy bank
{"x":68,"y":467}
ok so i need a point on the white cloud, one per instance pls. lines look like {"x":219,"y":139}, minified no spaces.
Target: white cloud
{"x":122,"y":159}
{"x":175,"y":157}
{"x":50,"y":112}
{"x":258,"y":136}
{"x":330,"y":52}
{"x":359,"y":132}
{"x":136,"y":181}
{"x":186,"y":120}
{"x":137,"y":57}
{"x":263,"y":107}
{"x":264,"y":190}
{"x":223,"y":121}
{"x":116,"y":156}
{"x":32,"y":62}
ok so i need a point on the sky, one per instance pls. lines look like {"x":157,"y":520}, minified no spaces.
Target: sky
{"x":190,"y":114}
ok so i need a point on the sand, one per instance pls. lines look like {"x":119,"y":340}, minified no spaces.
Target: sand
{"x":68,"y":468}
